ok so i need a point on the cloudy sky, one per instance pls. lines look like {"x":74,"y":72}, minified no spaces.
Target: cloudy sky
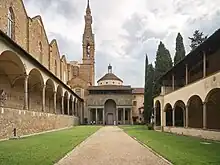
{"x":125,"y":30}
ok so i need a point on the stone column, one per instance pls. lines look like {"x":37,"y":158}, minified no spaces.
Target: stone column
{"x":43,"y":98}
{"x":116,"y":116}
{"x":82,"y":112}
{"x":131,"y":120}
{"x":62,"y":104}
{"x":187,"y":116}
{"x":204,"y":64}
{"x":103,"y":116}
{"x":55,"y":101}
{"x":186,"y":74}
{"x":89,"y":120}
{"x":26,"y":92}
{"x":72,"y":107}
{"x":123,"y":115}
{"x":155,"y":116}
{"x":68,"y":106}
{"x":96,"y":116}
{"x":204,"y":116}
{"x":173,"y":117}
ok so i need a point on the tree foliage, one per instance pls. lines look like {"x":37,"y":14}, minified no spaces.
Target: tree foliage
{"x":180,"y":49}
{"x":162,"y":64}
{"x":197,"y":38}
{"x":148,"y":91}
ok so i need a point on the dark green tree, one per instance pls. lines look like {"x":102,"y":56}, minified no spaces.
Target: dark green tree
{"x":180,"y":49}
{"x":197,"y":39}
{"x":162,"y":64}
{"x":148,"y":97}
{"x":149,"y":92}
{"x":145,"y":90}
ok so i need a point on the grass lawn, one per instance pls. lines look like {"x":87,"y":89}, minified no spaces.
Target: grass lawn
{"x":44,"y":149}
{"x":180,"y":150}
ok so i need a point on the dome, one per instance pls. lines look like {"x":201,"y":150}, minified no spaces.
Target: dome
{"x":110,"y":78}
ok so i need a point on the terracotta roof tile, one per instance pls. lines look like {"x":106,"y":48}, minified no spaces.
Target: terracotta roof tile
{"x":138,"y":91}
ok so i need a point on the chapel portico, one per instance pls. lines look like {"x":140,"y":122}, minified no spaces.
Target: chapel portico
{"x":110,"y":102}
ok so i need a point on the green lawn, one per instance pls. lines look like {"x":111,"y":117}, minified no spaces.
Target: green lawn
{"x":44,"y":149}
{"x":180,"y":150}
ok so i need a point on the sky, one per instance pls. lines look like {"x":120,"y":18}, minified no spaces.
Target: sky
{"x":125,"y":30}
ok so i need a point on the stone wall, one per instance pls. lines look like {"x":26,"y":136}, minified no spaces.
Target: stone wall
{"x":205,"y":134}
{"x":97,"y":100}
{"x":29,"y":122}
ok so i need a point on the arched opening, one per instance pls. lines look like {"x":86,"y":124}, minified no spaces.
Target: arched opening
{"x":158,"y":113}
{"x":49,"y":96}
{"x":213,"y":109}
{"x":35,"y":89}
{"x":71,"y":105}
{"x":179,"y":109}
{"x":11,"y":24}
{"x":12,"y":74}
{"x":169,"y":114}
{"x":195,"y":112}
{"x":59,"y":100}
{"x":110,"y":111}
{"x":66,"y":102}
{"x":74,"y":108}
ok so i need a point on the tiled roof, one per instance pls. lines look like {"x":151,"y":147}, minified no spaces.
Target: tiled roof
{"x":109,"y":87}
{"x":138,"y":91}
{"x":109,"y":76}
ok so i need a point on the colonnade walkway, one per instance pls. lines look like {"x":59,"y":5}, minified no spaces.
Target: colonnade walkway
{"x":111,"y":146}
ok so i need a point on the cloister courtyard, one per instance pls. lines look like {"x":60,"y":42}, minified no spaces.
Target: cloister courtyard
{"x":109,"y":145}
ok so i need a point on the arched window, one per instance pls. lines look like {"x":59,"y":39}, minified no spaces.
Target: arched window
{"x":11,"y":24}
{"x":55,"y":67}
{"x":41,"y":52}
{"x":64,"y":76}
{"x":78,"y":92}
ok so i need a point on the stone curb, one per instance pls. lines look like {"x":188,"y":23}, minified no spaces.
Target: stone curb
{"x":150,"y":149}
{"x":75,"y":148}
{"x":39,"y":133}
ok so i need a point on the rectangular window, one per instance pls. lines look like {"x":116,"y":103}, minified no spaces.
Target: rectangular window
{"x":134,"y":103}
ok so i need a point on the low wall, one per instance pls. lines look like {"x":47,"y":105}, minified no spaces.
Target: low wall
{"x":29,"y":122}
{"x":205,"y":134}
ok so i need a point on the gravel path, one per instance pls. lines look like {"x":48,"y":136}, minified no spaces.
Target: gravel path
{"x":111,"y":146}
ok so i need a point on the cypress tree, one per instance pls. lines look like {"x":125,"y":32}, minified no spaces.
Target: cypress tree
{"x":149,"y":91}
{"x":180,"y":49}
{"x":162,"y":64}
{"x":145,"y":91}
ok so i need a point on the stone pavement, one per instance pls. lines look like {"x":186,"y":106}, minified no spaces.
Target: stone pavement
{"x":111,"y":146}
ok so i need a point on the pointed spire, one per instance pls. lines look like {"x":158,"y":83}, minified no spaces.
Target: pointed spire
{"x":88,"y":10}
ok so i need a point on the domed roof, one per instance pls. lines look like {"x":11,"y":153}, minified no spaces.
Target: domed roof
{"x":109,"y":76}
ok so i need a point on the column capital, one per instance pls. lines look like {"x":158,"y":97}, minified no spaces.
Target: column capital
{"x":26,"y":76}
{"x":204,"y":102}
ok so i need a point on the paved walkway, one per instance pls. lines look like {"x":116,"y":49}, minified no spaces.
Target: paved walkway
{"x":111,"y":146}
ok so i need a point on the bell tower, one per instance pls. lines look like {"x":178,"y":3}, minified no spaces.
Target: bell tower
{"x":89,"y":47}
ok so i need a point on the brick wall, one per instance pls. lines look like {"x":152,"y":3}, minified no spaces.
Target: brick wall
{"x":21,"y":20}
{"x":29,"y":122}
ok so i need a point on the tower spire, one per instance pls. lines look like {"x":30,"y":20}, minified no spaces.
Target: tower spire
{"x":88,"y":10}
